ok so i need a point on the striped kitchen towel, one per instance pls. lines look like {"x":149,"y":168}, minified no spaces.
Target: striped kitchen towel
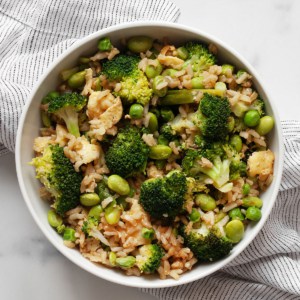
{"x":269,"y":268}
{"x":34,"y":32}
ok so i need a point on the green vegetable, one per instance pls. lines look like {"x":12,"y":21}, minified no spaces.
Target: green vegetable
{"x":45,"y":119}
{"x":251,"y":118}
{"x":259,"y":105}
{"x":49,"y":97}
{"x":164,"y":197}
{"x":205,"y":202}
{"x":90,"y":226}
{"x":69,"y":234}
{"x":240,"y":73}
{"x":197,"y":82}
{"x":231,"y":123}
{"x":160,"y":164}
{"x":118,"y":184}
{"x":128,"y":154}
{"x":139,"y":44}
{"x":102,"y":190}
{"x":67,"y":107}
{"x":226,"y":68}
{"x":265,"y":125}
{"x":66,"y":74}
{"x":95,"y":212}
{"x":148,"y":233}
{"x":77,"y":80}
{"x":125,"y":262}
{"x":56,"y":221}
{"x":153,"y":71}
{"x":161,"y":140}
{"x":153,"y":122}
{"x":160,"y":152}
{"x":167,"y":132}
{"x":112,"y":214}
{"x":246,"y":189}
{"x":236,"y":214}
{"x":253,"y":213}
{"x":221,"y":86}
{"x":158,"y":80}
{"x":252,"y":201}
{"x":89,"y":199}
{"x":195,"y":215}
{"x":149,"y":258}
{"x":206,"y":244}
{"x":182,"y":53}
{"x":57,"y":174}
{"x":166,"y":114}
{"x":136,"y":111}
{"x":234,"y":230}
{"x":105,"y":44}
{"x":112,"y":258}
{"x":236,"y":142}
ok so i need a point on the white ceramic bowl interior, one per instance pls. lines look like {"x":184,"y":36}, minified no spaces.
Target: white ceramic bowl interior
{"x":30,"y":124}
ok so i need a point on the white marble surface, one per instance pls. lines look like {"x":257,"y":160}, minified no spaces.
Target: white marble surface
{"x":266,"y":32}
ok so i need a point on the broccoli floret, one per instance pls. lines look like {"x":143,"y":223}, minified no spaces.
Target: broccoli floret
{"x":212,"y":117}
{"x":67,"y":107}
{"x":134,"y":83}
{"x":164,"y":197}
{"x":128,"y":154}
{"x":167,"y":132}
{"x":88,"y":226}
{"x":57,"y":174}
{"x":149,"y":258}
{"x":206,"y":244}
{"x":239,"y":125}
{"x":259,"y":105}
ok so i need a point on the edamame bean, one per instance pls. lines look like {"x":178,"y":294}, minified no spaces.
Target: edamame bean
{"x":197,"y":82}
{"x":236,"y":214}
{"x":136,"y":111}
{"x":112,"y":215}
{"x":139,"y":44}
{"x":235,"y":230}
{"x":167,"y":114}
{"x":45,"y":119}
{"x":226,"y":68}
{"x":153,"y":70}
{"x":253,"y":213}
{"x":118,"y":184}
{"x":231,"y":123}
{"x":246,"y":189}
{"x":54,"y":219}
{"x":236,"y":142}
{"x":161,"y":140}
{"x":89,"y":199}
{"x":77,"y":80}
{"x":148,"y":233}
{"x":252,"y":201}
{"x":160,"y":164}
{"x":251,"y":118}
{"x":125,"y":262}
{"x":69,"y":234}
{"x":205,"y":202}
{"x":195,"y":215}
{"x":112,"y":258}
{"x":182,"y":53}
{"x":96,"y":211}
{"x":160,"y":152}
{"x":105,"y":44}
{"x":265,"y":125}
{"x":153,"y":122}
{"x":66,"y":74}
{"x":157,"y":81}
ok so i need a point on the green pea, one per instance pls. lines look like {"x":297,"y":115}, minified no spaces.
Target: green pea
{"x":89,"y":199}
{"x":156,"y":82}
{"x":160,"y":164}
{"x":125,"y":262}
{"x":161,"y":140}
{"x":205,"y":202}
{"x":182,"y":53}
{"x":139,"y":44}
{"x":49,"y":97}
{"x":121,"y":201}
{"x":236,"y":214}
{"x":235,"y":230}
{"x":167,"y":114}
{"x":95,"y":211}
{"x":148,"y":233}
{"x":251,"y":118}
{"x":118,"y":184}
{"x":160,"y":152}
{"x":236,"y":142}
{"x":153,"y":122}
{"x":265,"y":125}
{"x":220,"y":86}
{"x":112,"y":258}
{"x":252,"y":201}
{"x":197,"y":82}
{"x":231,"y":123}
{"x":136,"y":111}
{"x":246,"y":189}
{"x":77,"y":80}
{"x":227,"y":67}
{"x":69,"y":234}
{"x":112,"y":215}
{"x":66,"y":74}
{"x":54,"y":219}
{"x":105,"y":44}
{"x":45,"y":119}
{"x":195,"y":215}
{"x":152,"y":71}
{"x":253,"y":213}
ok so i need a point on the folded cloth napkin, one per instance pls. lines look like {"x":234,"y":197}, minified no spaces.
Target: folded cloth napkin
{"x":34,"y":32}
{"x":269,"y":268}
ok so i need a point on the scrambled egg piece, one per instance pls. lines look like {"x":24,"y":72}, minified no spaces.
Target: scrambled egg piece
{"x":261,"y":163}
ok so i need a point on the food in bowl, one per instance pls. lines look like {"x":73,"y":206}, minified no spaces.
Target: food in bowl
{"x":153,"y":157}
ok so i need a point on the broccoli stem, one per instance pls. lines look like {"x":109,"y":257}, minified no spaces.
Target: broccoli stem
{"x":177,"y":97}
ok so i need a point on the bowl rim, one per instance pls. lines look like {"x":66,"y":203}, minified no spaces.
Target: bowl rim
{"x":60,"y":247}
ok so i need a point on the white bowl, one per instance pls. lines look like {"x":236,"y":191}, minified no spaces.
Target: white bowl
{"x":29,"y":129}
